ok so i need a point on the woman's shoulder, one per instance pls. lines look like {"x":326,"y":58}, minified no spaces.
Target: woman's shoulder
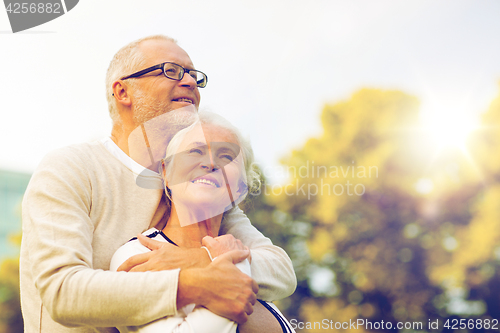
{"x":133,"y":247}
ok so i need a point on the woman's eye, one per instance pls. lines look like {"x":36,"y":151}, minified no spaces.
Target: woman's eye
{"x":195,"y":151}
{"x":227,"y":157}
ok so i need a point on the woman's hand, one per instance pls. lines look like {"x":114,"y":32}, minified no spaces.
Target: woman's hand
{"x":222,"y":244}
{"x":164,"y":256}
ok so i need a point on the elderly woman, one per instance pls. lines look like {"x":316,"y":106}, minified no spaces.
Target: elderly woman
{"x":207,"y":170}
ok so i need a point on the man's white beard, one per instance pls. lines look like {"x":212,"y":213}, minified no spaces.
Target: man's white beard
{"x":147,"y":108}
{"x":156,"y":125}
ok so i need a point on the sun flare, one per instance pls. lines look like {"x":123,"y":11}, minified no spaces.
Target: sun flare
{"x":449,"y":138}
{"x":447,"y":129}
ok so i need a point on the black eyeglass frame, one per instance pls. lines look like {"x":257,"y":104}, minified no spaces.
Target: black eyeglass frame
{"x":162,"y":67}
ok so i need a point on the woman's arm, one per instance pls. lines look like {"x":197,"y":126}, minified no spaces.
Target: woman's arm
{"x":261,"y":320}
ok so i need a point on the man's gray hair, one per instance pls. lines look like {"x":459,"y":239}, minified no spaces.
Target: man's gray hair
{"x":125,"y":61}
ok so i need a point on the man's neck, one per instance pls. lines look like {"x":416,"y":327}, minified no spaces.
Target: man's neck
{"x":120,"y":142}
{"x":134,"y":146}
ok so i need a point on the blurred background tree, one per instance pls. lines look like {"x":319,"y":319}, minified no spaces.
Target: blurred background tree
{"x":12,"y":188}
{"x":383,"y":222}
{"x":11,"y":320}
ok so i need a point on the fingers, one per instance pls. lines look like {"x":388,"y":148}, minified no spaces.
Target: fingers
{"x":239,"y":244}
{"x":234,"y":256}
{"x":141,"y":268}
{"x":255,"y":289}
{"x":134,"y":261}
{"x":229,"y":292}
{"x":250,"y":254}
{"x":208,"y":241}
{"x":225,"y":237}
{"x":249,"y":308}
{"x":150,"y":243}
{"x":230,"y":242}
{"x":241,"y":318}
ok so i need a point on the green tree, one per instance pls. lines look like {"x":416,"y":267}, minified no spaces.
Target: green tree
{"x":383,"y":225}
{"x":11,"y":320}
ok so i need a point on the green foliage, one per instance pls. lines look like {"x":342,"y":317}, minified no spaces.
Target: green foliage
{"x":398,"y":252}
{"x":11,"y":320}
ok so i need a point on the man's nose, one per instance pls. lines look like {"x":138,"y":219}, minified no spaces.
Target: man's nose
{"x":188,"y":81}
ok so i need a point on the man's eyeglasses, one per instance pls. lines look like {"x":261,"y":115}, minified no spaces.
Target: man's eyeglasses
{"x":174,"y":72}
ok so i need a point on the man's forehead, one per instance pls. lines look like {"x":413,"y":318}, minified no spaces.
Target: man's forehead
{"x":158,"y":51}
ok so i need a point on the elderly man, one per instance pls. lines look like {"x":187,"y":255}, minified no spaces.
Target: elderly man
{"x":83,"y":202}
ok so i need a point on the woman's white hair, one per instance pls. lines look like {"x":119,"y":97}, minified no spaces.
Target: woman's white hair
{"x":127,"y":60}
{"x":252,"y":176}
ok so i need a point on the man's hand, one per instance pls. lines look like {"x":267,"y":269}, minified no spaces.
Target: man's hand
{"x":222,"y":244}
{"x":220,"y":287}
{"x":261,"y":320}
{"x":164,"y":256}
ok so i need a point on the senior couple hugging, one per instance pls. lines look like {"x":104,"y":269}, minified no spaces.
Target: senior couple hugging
{"x":141,"y":232}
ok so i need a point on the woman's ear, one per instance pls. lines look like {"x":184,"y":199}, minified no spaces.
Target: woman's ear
{"x":164,"y":172}
{"x":242,"y":187}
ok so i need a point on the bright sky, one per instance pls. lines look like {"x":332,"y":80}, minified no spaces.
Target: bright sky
{"x":271,"y":64}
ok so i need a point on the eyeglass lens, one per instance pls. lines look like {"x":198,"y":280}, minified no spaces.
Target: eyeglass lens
{"x":176,"y":72}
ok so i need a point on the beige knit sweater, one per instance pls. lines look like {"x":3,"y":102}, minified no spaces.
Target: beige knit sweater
{"x":81,"y":205}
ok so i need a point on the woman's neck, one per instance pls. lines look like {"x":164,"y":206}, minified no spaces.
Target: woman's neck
{"x":190,"y":234}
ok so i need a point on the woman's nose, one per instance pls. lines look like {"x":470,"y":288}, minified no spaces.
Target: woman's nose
{"x":208,"y":163}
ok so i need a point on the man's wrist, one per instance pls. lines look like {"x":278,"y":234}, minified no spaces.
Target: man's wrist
{"x":191,"y":280}
{"x":188,"y":290}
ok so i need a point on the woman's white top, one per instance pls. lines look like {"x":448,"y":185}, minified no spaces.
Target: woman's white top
{"x":189,"y":319}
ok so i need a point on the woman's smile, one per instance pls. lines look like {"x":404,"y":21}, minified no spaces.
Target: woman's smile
{"x":207,"y":180}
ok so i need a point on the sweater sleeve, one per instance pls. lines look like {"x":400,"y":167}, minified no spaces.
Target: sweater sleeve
{"x":200,"y":320}
{"x":271,"y":267}
{"x":58,"y":234}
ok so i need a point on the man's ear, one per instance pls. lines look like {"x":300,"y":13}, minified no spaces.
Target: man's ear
{"x":121,"y":94}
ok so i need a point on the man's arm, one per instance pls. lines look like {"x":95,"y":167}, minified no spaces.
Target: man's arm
{"x":217,"y":285}
{"x":58,"y":239}
{"x":193,"y":284}
{"x":272,"y":268}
